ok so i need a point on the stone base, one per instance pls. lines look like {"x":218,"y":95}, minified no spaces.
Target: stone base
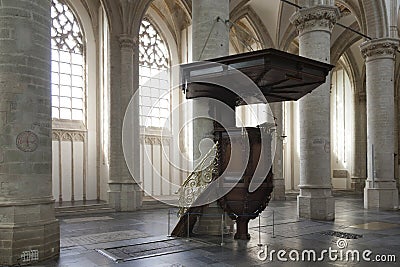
{"x":210,"y":222}
{"x":125,"y":196}
{"x":29,"y":229}
{"x":381,"y":195}
{"x":358,"y":184}
{"x":316,"y":204}
{"x":279,"y":190}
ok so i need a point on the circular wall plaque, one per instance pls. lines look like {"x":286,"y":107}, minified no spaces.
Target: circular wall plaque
{"x":27,"y":141}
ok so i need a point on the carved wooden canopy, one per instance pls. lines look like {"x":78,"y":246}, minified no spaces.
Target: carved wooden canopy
{"x":280,"y":76}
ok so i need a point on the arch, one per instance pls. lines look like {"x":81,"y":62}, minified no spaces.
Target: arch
{"x":88,"y":145}
{"x":111,"y":11}
{"x":375,"y":17}
{"x":165,"y":31}
{"x":68,"y":63}
{"x":346,"y":40}
{"x":143,"y":7}
{"x":345,"y":62}
{"x":356,"y":12}
{"x":243,"y":38}
{"x":354,"y":72}
{"x":154,"y":86}
{"x":286,"y":36}
{"x":174,"y":13}
{"x":289,"y":36}
{"x":342,"y":123}
{"x":187,"y":4}
{"x":256,"y":23}
{"x":124,"y":17}
{"x":160,"y":15}
{"x":91,"y":67}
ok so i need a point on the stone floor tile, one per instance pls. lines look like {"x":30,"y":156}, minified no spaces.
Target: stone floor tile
{"x":290,"y":233}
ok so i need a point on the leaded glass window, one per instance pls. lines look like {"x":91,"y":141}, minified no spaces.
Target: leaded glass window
{"x":154,"y":77}
{"x":67,"y":64}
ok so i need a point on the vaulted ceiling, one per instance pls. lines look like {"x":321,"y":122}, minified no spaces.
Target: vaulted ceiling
{"x":268,"y":21}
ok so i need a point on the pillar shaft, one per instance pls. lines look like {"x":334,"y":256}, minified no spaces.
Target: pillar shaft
{"x":359,"y":169}
{"x":124,"y":192}
{"x":27,"y":221}
{"x":380,"y":189}
{"x":315,"y":200}
{"x":210,"y":39}
{"x":279,"y":181}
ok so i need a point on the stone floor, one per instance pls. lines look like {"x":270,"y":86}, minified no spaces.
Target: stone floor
{"x":135,"y":235}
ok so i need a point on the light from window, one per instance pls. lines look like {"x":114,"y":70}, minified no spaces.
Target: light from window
{"x":154,"y":77}
{"x":341,"y":117}
{"x":67,"y":64}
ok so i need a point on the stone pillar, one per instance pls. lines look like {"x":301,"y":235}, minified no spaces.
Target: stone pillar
{"x":277,"y":167}
{"x":315,"y":200}
{"x":27,"y":221}
{"x":380,"y":188}
{"x":210,"y":39}
{"x":204,"y":21}
{"x":359,"y":170}
{"x":124,"y":192}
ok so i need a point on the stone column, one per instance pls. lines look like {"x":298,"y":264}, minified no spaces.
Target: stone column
{"x":27,"y":221}
{"x":277,"y":168}
{"x":359,"y":170}
{"x":124,"y":193}
{"x":210,"y":39}
{"x":315,"y":200}
{"x":204,"y":21}
{"x":380,"y":189}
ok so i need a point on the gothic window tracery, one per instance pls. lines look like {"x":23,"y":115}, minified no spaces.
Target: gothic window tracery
{"x":154,"y":77}
{"x":67,"y":64}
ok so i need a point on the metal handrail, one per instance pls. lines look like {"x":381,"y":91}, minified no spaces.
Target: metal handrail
{"x":198,"y":180}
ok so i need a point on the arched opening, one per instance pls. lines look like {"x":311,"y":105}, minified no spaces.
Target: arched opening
{"x":154,"y":80}
{"x":162,"y":36}
{"x":155,"y":106}
{"x":74,"y":101}
{"x":342,"y":127}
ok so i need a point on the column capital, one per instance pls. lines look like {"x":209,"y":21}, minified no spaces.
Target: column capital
{"x":316,"y":18}
{"x":379,"y":48}
{"x":127,"y":41}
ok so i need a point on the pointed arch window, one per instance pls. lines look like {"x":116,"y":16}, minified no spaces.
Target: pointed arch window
{"x":154,"y":77}
{"x":342,"y":99}
{"x":67,"y":64}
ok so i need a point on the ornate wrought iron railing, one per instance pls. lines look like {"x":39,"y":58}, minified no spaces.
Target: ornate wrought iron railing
{"x":198,"y":180}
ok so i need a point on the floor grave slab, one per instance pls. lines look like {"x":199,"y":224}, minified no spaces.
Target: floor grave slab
{"x":87,"y":219}
{"x":101,"y":238}
{"x":152,"y":249}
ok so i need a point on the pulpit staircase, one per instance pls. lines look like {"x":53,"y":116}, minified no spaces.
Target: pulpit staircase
{"x":193,"y":186}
